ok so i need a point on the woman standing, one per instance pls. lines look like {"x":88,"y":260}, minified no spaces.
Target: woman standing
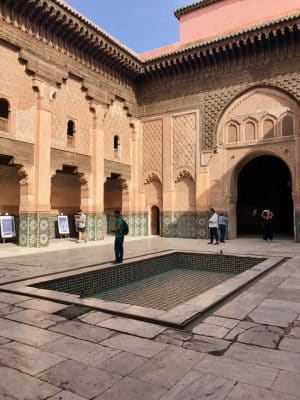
{"x":267,"y":217}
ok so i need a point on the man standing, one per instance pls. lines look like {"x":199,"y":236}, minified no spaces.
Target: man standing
{"x":213,"y":226}
{"x":119,"y":237}
{"x":223,"y":223}
{"x":81,"y":224}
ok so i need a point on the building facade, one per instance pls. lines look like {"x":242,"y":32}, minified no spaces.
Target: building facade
{"x":210,"y":121}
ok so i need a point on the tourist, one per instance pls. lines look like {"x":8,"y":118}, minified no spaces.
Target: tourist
{"x":267,"y":217}
{"x":213,"y":226}
{"x":223,"y":223}
{"x":81,"y":225}
{"x":118,"y":230}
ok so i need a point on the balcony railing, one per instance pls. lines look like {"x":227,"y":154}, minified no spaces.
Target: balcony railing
{"x":3,"y":124}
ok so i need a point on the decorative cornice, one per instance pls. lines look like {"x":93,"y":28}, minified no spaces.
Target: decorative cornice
{"x":194,"y":6}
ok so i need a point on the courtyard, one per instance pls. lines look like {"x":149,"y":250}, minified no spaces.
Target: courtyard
{"x":245,"y":347}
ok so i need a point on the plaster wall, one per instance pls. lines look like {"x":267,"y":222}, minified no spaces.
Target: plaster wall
{"x":227,"y":16}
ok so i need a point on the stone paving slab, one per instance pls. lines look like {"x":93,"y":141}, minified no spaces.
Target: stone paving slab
{"x":17,"y":385}
{"x":134,"y":327}
{"x":210,"y":330}
{"x":238,"y":371}
{"x":36,"y":318}
{"x":286,"y":294}
{"x":277,"y":359}
{"x":167,"y":367}
{"x":291,"y":283}
{"x":12,"y":298}
{"x":265,"y":315}
{"x":6,"y":309}
{"x":29,"y":335}
{"x":26,"y":358}
{"x":84,"y":380}
{"x":43,"y":305}
{"x":241,"y":306}
{"x":135,"y":345}
{"x":288,"y":382}
{"x":5,"y":323}
{"x":66,"y":395}
{"x":290,"y":344}
{"x":206,"y":344}
{"x":198,"y":386}
{"x":220,"y":321}
{"x":83,"y":331}
{"x":240,"y":328}
{"x":261,"y":335}
{"x":123,"y":363}
{"x":132,"y":389}
{"x":80,"y":350}
{"x":295,"y":331}
{"x":246,"y":392}
{"x":281,"y":305}
{"x":94,"y":317}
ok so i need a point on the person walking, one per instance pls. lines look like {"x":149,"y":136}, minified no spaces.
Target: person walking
{"x":118,"y":230}
{"x":213,"y":226}
{"x":223,"y":224}
{"x":267,"y":217}
{"x":81,"y":225}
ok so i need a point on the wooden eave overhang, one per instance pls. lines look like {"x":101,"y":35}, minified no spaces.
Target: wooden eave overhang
{"x":56,"y":17}
{"x":275,"y":33}
{"x":194,"y":6}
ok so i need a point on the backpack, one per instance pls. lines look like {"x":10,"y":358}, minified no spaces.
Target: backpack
{"x":125,"y":227}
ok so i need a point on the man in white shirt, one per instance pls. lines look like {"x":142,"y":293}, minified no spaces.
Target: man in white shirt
{"x":213,"y":226}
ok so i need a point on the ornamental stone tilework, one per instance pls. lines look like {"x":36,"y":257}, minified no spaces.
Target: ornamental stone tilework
{"x":152,"y":136}
{"x":193,"y":225}
{"x":34,"y":230}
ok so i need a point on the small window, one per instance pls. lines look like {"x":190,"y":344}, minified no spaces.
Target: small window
{"x":287,"y":126}
{"x":71,"y":128}
{"x":232,"y":134}
{"x":71,"y":133}
{"x":268,"y":129}
{"x":116,"y":146}
{"x":116,"y":142}
{"x":4,"y":115}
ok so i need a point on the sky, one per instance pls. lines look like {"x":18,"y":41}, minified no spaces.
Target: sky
{"x":141,"y":25}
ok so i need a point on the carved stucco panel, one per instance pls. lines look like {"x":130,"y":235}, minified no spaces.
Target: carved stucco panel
{"x":71,"y":104}
{"x":215,"y":102}
{"x":152,"y":148}
{"x":184,"y":143}
{"x":117,"y":123}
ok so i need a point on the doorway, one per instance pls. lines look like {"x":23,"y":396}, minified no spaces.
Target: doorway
{"x":264,"y":183}
{"x":155,"y":220}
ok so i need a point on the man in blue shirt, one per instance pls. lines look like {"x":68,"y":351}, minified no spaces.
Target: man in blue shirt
{"x":119,"y":237}
{"x":223,"y":222}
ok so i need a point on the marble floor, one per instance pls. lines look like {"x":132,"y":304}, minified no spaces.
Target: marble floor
{"x":247,"y":347}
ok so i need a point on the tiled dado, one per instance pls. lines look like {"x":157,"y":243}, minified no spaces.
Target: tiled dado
{"x":96,"y":226}
{"x":191,"y":225}
{"x":137,"y":223}
{"x":34,"y":230}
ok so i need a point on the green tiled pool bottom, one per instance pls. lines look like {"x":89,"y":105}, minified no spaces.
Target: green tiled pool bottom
{"x":165,"y":290}
{"x":157,"y":282}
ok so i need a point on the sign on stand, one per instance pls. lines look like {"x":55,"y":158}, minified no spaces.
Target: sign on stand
{"x":7,"y":227}
{"x":63,"y":225}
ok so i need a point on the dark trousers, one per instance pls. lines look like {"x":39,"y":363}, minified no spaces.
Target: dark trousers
{"x":119,"y":248}
{"x":222,"y":232}
{"x":213,"y":233}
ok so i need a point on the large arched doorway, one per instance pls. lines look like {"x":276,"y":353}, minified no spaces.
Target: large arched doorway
{"x":155,"y":220}
{"x":264,"y":183}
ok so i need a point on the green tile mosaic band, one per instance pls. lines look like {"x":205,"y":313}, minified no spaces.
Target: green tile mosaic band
{"x":34,"y":230}
{"x":185,"y":225}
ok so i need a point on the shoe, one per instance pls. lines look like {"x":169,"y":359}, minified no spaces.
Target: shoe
{"x":115,"y":262}
{"x":209,"y":243}
{"x":217,"y":243}
{"x":222,"y":241}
